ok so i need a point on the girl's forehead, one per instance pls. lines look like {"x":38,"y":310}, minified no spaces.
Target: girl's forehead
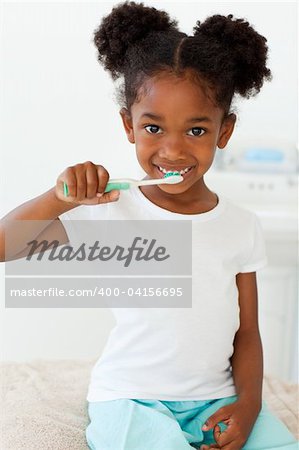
{"x":169,"y":93}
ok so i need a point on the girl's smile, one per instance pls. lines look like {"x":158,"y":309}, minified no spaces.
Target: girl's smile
{"x":185,"y":173}
{"x":176,"y":126}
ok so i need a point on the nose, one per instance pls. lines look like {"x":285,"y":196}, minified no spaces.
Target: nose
{"x":173,"y":148}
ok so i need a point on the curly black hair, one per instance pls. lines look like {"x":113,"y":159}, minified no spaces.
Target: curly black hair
{"x":138,"y":42}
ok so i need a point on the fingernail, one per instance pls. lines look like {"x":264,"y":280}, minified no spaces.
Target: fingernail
{"x":100,"y":194}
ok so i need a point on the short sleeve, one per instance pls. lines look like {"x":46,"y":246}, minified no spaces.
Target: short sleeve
{"x":256,"y":257}
{"x":73,"y":221}
{"x":69,"y":221}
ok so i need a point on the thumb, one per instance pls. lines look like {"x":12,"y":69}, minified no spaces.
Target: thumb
{"x":214,"y":419}
{"x":107,"y":197}
{"x":217,"y":432}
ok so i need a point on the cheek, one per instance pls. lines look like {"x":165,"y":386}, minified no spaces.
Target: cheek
{"x":144,"y":146}
{"x":206,"y":155}
{"x":142,"y":155}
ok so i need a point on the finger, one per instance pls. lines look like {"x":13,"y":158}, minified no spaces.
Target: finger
{"x":81,"y":182}
{"x":207,"y":447}
{"x":226,"y":436}
{"x":226,"y":439}
{"x":71,"y":182}
{"x":91,"y":181}
{"x":216,"y":432}
{"x":111,"y":196}
{"x":103,"y":177}
{"x":221,"y":414}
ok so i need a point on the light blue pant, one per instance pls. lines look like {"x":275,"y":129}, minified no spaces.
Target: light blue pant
{"x":131,"y":424}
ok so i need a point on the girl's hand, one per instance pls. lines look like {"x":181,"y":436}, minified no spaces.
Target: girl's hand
{"x":239,"y":419}
{"x":84,"y":181}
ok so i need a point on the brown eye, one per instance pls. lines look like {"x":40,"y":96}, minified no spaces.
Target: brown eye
{"x":197,"y":131}
{"x":153,"y":129}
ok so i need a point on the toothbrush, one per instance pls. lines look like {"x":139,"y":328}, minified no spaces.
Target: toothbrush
{"x":127,"y":183}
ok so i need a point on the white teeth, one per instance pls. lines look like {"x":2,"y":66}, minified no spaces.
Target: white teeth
{"x":180,"y":171}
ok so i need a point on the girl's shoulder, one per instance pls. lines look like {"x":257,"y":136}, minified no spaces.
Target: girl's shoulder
{"x":237,"y":210}
{"x":86,"y":212}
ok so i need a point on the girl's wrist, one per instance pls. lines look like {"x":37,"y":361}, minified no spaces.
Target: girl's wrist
{"x":59,"y":206}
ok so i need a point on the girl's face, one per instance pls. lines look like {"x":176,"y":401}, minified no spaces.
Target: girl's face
{"x":175,"y":125}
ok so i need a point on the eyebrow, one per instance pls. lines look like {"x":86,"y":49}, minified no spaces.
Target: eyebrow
{"x":193,"y":119}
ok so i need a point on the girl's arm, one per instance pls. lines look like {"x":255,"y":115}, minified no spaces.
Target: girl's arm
{"x":247,"y":368}
{"x":85,"y":181}
{"x":45,"y":207}
{"x":247,"y":359}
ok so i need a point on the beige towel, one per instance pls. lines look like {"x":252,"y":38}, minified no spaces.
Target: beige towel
{"x":44,"y":407}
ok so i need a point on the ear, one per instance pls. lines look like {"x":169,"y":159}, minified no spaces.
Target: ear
{"x":128,"y":124}
{"x":226,"y":130}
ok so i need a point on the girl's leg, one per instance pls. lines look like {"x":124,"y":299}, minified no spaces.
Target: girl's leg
{"x":128,"y":424}
{"x":270,"y":433}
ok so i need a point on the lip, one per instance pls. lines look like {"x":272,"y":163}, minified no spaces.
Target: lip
{"x":184,"y":175}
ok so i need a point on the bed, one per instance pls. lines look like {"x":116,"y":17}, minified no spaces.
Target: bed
{"x":44,"y":406}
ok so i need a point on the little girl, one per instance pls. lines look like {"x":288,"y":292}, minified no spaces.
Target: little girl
{"x":175,"y":378}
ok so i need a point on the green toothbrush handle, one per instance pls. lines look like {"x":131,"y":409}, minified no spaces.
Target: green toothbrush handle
{"x":118,"y":186}
{"x":65,"y":189}
{"x":109,"y":187}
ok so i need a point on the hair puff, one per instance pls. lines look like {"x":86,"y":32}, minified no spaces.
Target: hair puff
{"x":238,"y":49}
{"x":127,"y":24}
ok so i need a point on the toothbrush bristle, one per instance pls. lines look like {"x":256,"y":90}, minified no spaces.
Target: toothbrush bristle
{"x":173,"y":177}
{"x":170,"y":174}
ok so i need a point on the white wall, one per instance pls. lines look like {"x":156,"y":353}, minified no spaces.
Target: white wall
{"x":58,"y":110}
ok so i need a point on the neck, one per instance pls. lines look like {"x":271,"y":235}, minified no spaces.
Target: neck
{"x":197,"y":199}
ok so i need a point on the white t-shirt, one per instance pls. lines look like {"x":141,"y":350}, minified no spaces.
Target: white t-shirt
{"x":178,"y":353}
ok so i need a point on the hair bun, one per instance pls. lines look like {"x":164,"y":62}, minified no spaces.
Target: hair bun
{"x":127,"y":24}
{"x":243,"y":50}
{"x":219,"y":26}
